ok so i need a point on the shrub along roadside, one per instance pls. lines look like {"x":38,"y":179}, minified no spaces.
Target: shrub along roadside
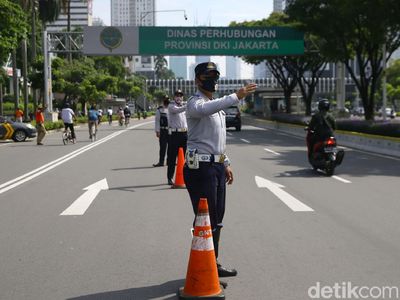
{"x":378,"y":127}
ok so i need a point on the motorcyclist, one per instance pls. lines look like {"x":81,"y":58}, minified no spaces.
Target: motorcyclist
{"x":321,"y":127}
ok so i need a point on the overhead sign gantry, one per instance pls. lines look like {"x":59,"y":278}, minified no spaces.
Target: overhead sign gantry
{"x":235,"y":41}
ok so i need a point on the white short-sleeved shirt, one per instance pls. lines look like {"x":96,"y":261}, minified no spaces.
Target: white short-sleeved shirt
{"x":66,"y":115}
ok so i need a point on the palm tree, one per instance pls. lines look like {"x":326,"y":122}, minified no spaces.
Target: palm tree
{"x":160,"y":64}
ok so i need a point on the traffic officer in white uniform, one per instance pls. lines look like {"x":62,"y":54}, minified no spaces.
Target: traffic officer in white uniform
{"x":207,"y":168}
{"x":161,"y":129}
{"x":177,"y":132}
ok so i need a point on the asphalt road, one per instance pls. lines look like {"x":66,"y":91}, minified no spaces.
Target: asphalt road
{"x":133,"y":240}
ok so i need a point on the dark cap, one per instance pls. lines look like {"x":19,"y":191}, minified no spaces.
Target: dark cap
{"x":206,"y":67}
{"x":178,"y":92}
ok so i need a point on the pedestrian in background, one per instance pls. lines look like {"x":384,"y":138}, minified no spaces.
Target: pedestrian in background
{"x":161,"y":129}
{"x":207,"y":168}
{"x":177,"y":129}
{"x":41,"y":130}
{"x":109,"y":115}
{"x":19,"y":114}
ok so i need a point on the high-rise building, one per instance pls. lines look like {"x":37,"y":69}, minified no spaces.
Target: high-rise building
{"x":262,"y":71}
{"x":97,"y":22}
{"x":279,"y":5}
{"x":81,"y":15}
{"x":233,"y":67}
{"x":201,"y":59}
{"x":178,"y":64}
{"x":135,"y":13}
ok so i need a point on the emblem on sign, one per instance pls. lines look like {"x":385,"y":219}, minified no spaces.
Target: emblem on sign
{"x":111,"y":38}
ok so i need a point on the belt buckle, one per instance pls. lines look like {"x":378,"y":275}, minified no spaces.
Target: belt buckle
{"x":221,"y":158}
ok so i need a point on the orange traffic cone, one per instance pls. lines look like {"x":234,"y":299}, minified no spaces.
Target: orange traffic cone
{"x":202,"y":276}
{"x":179,"y":181}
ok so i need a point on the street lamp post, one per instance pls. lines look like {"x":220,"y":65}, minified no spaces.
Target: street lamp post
{"x":143,"y":14}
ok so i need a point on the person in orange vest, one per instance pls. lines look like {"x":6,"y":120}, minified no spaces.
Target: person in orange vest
{"x":41,"y":130}
{"x":19,"y":114}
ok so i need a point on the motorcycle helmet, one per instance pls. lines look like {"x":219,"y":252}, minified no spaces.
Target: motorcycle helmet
{"x":323,"y":105}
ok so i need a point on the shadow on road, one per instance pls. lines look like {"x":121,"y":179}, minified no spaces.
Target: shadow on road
{"x":132,"y":168}
{"x":166,"y":290}
{"x":132,"y":188}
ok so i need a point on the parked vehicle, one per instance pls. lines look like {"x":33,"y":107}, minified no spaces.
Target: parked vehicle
{"x":389,"y":112}
{"x":233,"y":118}
{"x":324,"y":155}
{"x":19,"y":132}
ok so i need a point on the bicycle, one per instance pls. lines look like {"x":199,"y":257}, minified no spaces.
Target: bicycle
{"x":127,"y":120}
{"x":92,"y":130}
{"x":67,"y":137}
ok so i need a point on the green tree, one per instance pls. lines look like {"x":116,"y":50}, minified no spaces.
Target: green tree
{"x":279,"y":66}
{"x":111,"y":65}
{"x":393,"y":82}
{"x":354,"y":29}
{"x":160,"y":68}
{"x":13,"y":28}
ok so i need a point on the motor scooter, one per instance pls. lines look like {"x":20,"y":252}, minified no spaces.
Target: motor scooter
{"x":324,"y":154}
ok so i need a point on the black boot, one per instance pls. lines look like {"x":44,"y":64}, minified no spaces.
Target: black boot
{"x":222,"y":271}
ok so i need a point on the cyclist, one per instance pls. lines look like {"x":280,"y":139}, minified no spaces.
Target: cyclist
{"x":127,"y":114}
{"x":67,"y":115}
{"x":100,"y":114}
{"x":93,"y":119}
{"x":109,"y":115}
{"x":121,"y":116}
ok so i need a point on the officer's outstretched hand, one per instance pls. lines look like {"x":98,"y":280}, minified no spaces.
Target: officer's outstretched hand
{"x":248,"y":89}
{"x":228,"y":175}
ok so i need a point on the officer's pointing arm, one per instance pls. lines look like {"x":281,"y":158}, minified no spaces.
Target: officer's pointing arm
{"x":244,"y":91}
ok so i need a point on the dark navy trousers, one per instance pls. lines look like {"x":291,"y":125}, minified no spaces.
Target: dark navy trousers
{"x":176,"y":140}
{"x":163,"y":140}
{"x":208,"y":182}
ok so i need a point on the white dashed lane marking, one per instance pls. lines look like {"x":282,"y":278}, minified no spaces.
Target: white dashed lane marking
{"x":272,"y":151}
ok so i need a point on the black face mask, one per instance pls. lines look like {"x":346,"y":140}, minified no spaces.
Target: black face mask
{"x":209,"y":83}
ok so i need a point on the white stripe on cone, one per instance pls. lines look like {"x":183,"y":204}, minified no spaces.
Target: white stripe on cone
{"x":202,"y":244}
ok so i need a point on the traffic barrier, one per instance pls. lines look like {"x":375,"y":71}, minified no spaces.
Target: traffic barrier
{"x":202,"y":280}
{"x":179,"y":181}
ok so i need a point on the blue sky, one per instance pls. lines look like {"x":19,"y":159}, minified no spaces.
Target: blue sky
{"x":199,"y":12}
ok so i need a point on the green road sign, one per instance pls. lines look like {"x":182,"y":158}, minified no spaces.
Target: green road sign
{"x":273,"y":41}
{"x":220,"y":41}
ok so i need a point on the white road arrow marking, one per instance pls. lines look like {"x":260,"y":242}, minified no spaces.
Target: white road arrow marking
{"x":271,"y":151}
{"x":285,"y":197}
{"x":246,"y":141}
{"x":81,"y":204}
